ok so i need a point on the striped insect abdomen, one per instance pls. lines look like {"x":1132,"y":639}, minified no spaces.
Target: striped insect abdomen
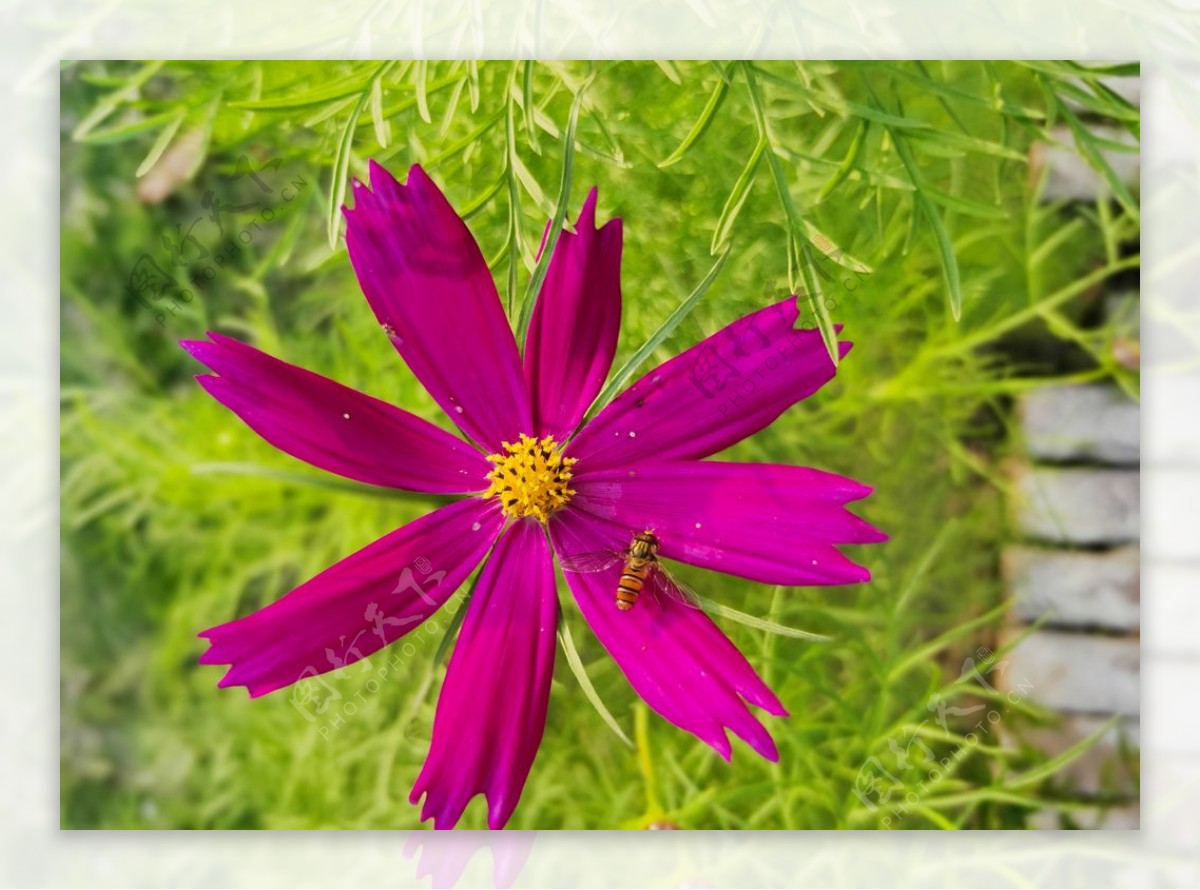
{"x":633,"y":578}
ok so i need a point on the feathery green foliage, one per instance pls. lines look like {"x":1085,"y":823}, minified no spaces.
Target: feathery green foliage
{"x":959,"y":287}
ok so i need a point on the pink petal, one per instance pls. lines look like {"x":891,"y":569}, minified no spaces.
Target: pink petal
{"x":334,"y":427}
{"x":357,"y":606}
{"x":430,"y":287}
{"x":492,"y":708}
{"x":715,"y":394}
{"x":770,"y":523}
{"x":573,"y":332}
{"x":673,"y":656}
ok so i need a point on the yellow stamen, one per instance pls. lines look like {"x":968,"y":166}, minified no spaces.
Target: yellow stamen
{"x":531,"y":478}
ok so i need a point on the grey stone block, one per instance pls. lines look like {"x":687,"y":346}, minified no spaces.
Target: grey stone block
{"x":1075,"y":588}
{"x":1084,"y":422}
{"x":1069,"y":177}
{"x":1076,"y":673}
{"x":1078,"y":506}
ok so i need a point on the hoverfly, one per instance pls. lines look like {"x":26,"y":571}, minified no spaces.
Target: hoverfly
{"x":641,"y":567}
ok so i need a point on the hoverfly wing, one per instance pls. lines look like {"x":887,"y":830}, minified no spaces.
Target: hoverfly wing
{"x":596,"y":561}
{"x":667,"y":585}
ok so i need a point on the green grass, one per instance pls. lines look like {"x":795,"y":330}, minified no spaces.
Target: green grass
{"x":959,"y":288}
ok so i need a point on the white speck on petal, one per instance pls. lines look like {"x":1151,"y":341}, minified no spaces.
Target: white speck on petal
{"x":475,"y":526}
{"x":697,"y":525}
{"x":632,"y":434}
{"x":458,"y":409}
{"x":346,"y":416}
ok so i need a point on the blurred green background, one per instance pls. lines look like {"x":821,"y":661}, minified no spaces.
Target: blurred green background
{"x":175,"y":517}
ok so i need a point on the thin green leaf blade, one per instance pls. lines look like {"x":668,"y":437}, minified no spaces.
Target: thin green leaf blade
{"x":621,"y":377}
{"x":160,"y":145}
{"x":737,"y":197}
{"x":341,"y":169}
{"x":585,"y":682}
{"x":1053,"y":765}
{"x":757,"y":623}
{"x":702,"y":122}
{"x":558,"y":219}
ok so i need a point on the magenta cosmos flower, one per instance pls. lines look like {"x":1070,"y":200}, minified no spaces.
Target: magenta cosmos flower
{"x":533,"y":487}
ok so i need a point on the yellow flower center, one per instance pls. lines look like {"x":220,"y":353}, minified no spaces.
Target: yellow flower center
{"x":531,"y":478}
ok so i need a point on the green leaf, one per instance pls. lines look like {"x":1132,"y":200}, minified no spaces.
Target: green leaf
{"x":473,"y":84}
{"x":341,"y":159}
{"x":847,"y":163}
{"x":531,"y":186}
{"x":1085,"y":142}
{"x":737,"y":197}
{"x":946,"y":255}
{"x":528,"y":107}
{"x":757,"y":623}
{"x":965,"y":205}
{"x":798,"y":255}
{"x":339,"y":89}
{"x":332,"y":109}
{"x":1050,"y":767}
{"x":621,"y":377}
{"x":954,"y":140}
{"x":812,"y":291}
{"x":924,"y":654}
{"x":456,"y":620}
{"x":669,"y":68}
{"x":160,"y":144}
{"x":341,"y":169}
{"x":422,"y":90}
{"x":994,"y":103}
{"x":585,"y":683}
{"x":383,"y":129}
{"x":826,"y":246}
{"x":558,"y":219}
{"x":113,"y":100}
{"x":702,"y":123}
{"x":866,"y":112}
{"x":130,"y":129}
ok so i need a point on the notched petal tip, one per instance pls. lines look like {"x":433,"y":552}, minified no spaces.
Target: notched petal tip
{"x":378,"y":174}
{"x":770,"y":752}
{"x":500,"y":810}
{"x":720,"y":743}
{"x":418,"y":176}
{"x":202,"y":351}
{"x":587,"y":213}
